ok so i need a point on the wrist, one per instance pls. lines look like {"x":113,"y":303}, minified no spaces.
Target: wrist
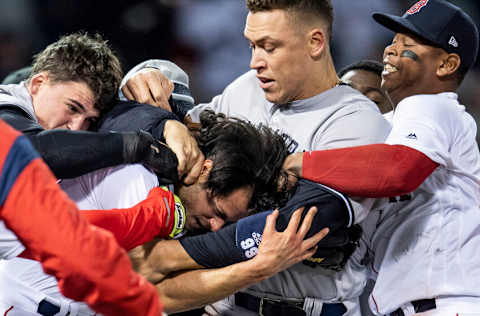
{"x":255,"y":269}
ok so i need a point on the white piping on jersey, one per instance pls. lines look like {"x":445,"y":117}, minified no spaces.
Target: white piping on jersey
{"x":346,"y":200}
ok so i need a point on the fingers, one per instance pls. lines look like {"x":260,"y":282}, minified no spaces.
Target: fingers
{"x":294,"y":221}
{"x":160,"y":89}
{"x":270,"y":223}
{"x":315,"y":239}
{"x":307,"y":222}
{"x":190,"y":158}
{"x":195,"y":171}
{"x":308,"y":254}
{"x":127,"y":93}
{"x":149,"y":86}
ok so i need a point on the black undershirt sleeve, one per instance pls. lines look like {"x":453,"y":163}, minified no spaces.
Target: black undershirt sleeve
{"x":69,"y":154}
{"x":129,"y":116}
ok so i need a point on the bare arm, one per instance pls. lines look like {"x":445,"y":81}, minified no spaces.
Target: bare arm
{"x":158,"y":258}
{"x":277,"y":252}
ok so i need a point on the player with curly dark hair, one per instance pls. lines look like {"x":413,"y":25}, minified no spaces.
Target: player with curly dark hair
{"x":240,"y":159}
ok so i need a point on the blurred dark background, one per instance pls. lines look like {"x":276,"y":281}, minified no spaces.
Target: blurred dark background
{"x":204,"y":37}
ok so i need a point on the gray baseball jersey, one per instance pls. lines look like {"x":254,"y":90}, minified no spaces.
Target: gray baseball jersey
{"x":17,"y":94}
{"x":339,"y":117}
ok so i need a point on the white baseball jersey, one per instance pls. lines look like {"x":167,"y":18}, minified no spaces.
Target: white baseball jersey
{"x":425,"y":244}
{"x":339,"y":117}
{"x":27,"y":284}
{"x":10,"y":246}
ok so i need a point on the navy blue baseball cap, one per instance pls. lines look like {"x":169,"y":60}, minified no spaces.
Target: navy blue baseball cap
{"x":440,"y":24}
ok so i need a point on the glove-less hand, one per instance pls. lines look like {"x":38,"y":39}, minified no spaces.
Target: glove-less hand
{"x":142,"y":147}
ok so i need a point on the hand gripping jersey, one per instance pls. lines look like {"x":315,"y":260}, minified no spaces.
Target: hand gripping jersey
{"x":241,"y":240}
{"x":49,"y":225}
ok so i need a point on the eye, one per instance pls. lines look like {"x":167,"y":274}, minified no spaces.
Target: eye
{"x":73,"y":108}
{"x":269,"y":48}
{"x":92,"y":120}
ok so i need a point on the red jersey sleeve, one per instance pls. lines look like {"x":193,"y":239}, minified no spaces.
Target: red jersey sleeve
{"x":378,"y":170}
{"x":139,"y":224}
{"x":87,"y":261}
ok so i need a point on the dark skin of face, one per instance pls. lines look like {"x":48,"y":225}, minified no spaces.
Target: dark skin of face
{"x":411,"y":67}
{"x":368,"y":83}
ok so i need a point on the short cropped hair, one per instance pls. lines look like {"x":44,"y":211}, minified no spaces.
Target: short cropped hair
{"x":243,"y":155}
{"x":322,"y":9}
{"x":367,"y":65}
{"x":80,"y":57}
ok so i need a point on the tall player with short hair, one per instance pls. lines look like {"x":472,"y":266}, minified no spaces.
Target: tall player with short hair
{"x":293,"y":87}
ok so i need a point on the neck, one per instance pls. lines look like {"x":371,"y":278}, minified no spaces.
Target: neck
{"x":324,"y":77}
{"x":433,"y":88}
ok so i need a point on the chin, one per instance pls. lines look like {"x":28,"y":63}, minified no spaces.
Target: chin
{"x":276,"y":99}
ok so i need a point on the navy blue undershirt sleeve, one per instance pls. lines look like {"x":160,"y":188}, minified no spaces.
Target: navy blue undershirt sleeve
{"x":239,"y":242}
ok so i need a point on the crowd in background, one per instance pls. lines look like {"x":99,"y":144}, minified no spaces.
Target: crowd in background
{"x":204,"y":37}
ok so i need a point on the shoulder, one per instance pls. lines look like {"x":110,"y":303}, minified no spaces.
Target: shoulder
{"x":441,"y":106}
{"x":354,"y":100}
{"x":354,"y":105}
{"x":246,"y":81}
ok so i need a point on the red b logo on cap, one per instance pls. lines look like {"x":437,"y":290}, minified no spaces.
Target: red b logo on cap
{"x":417,"y":7}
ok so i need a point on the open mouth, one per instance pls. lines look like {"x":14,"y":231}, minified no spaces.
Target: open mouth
{"x":388,"y":69}
{"x":265,"y":83}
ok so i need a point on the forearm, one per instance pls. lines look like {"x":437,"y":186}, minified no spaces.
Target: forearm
{"x":177,"y":259}
{"x":371,"y":171}
{"x":70,"y":154}
{"x":196,"y":288}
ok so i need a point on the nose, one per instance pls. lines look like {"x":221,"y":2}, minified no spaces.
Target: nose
{"x":78,"y":123}
{"x":390,"y":50}
{"x":216,"y":223}
{"x":257,"y":61}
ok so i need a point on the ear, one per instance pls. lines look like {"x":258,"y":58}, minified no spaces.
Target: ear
{"x":36,"y":82}
{"x":205,"y":172}
{"x":449,"y":65}
{"x":317,"y":42}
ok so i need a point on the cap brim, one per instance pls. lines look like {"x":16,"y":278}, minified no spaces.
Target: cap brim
{"x":399,"y":24}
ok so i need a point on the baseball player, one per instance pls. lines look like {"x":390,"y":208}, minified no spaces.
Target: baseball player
{"x":293,"y":88}
{"x":49,"y":226}
{"x":425,"y":242}
{"x":67,"y":91}
{"x":366,"y":77}
{"x":220,"y":196}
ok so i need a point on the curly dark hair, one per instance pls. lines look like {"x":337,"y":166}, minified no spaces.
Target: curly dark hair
{"x":243,"y":155}
{"x":83,"y":58}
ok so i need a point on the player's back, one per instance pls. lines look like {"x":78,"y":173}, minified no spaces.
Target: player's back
{"x":108,"y":188}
